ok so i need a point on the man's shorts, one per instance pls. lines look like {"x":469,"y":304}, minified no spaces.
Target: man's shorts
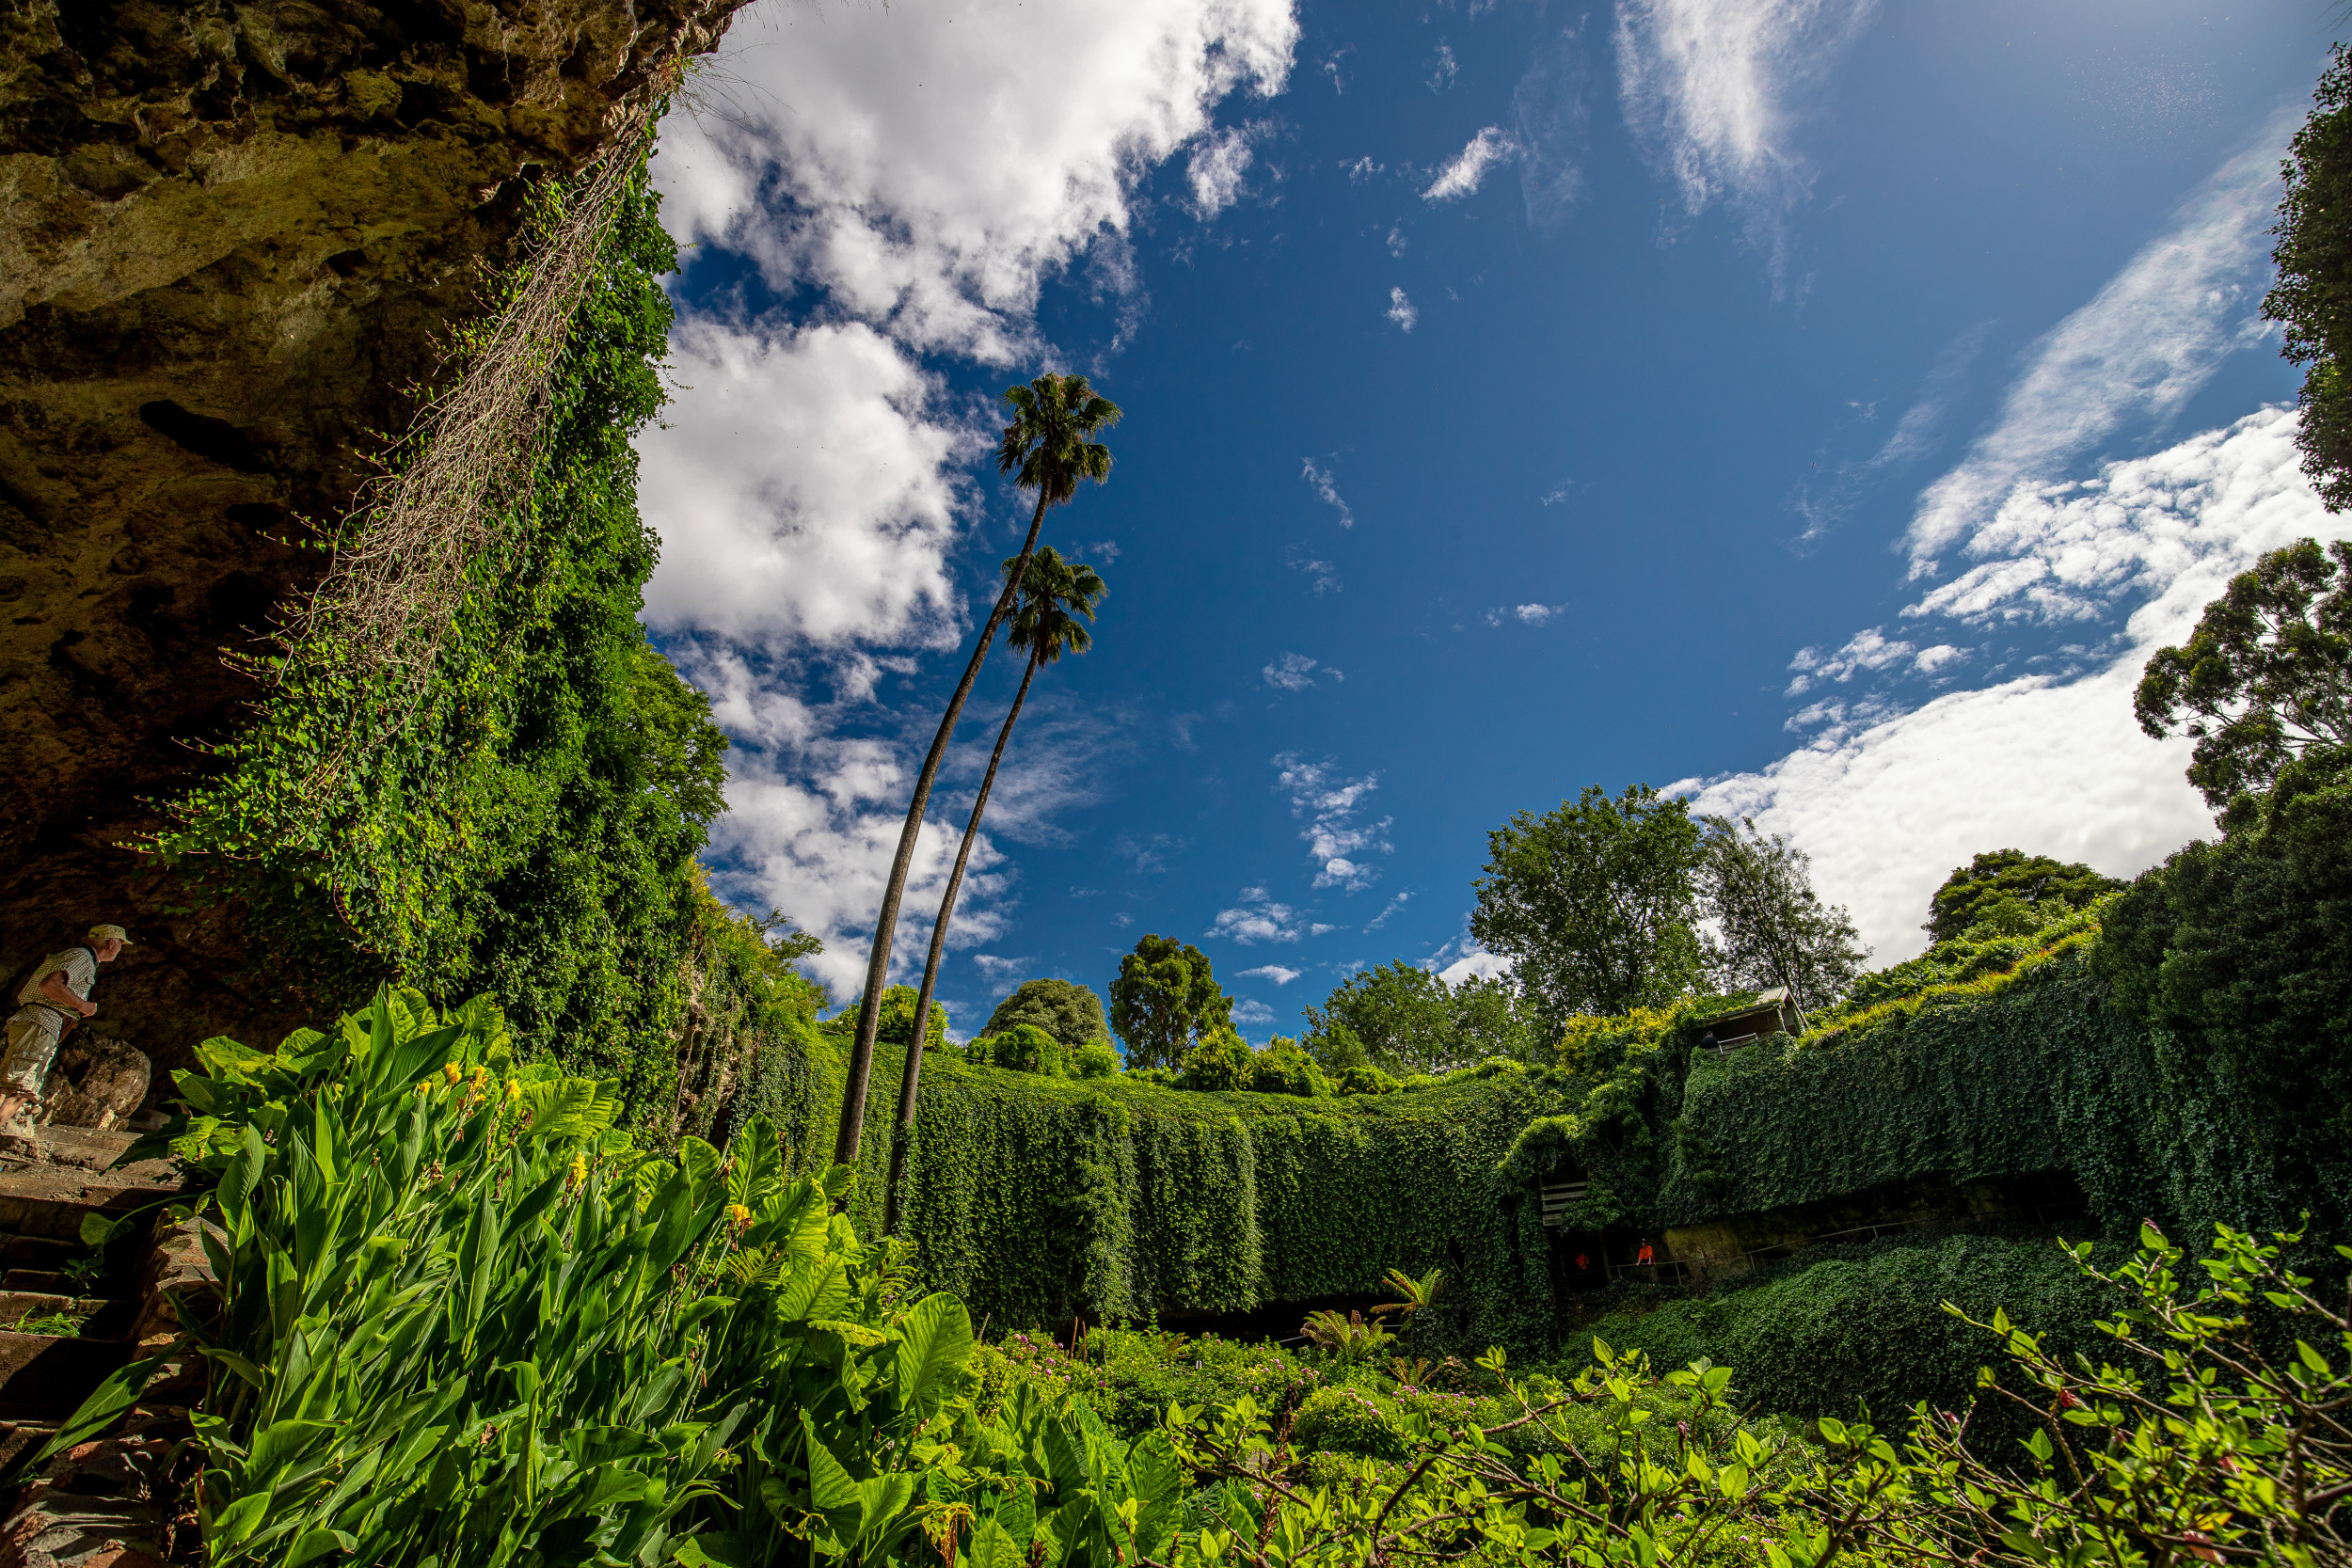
{"x":32,"y":1046}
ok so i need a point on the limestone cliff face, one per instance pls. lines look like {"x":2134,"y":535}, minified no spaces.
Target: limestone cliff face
{"x":231,"y":236}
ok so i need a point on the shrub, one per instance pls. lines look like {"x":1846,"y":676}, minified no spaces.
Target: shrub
{"x":1025,"y":1048}
{"x":1222,"y":1060}
{"x":1347,"y":1420}
{"x":1284,"y":1068}
{"x":1365,"y":1079}
{"x":1070,"y":1012}
{"x":1096,"y":1058}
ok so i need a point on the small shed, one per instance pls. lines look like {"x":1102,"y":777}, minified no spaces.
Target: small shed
{"x":1771,"y":1013}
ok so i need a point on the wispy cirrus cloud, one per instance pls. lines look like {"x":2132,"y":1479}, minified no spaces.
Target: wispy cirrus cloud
{"x":2132,"y":356}
{"x":1295,"y":672}
{"x":1716,"y":90}
{"x":1327,"y":490}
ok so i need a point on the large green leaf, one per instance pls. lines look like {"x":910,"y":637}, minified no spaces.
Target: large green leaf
{"x":935,"y":1343}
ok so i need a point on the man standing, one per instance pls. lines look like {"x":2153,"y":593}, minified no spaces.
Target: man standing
{"x":55,"y":998}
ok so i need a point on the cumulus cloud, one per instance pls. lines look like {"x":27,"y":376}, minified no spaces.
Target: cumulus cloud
{"x":1328,"y":802}
{"x":2134,"y":355}
{"x":802,"y":489}
{"x":1525,"y":614}
{"x":1256,"y":918}
{"x":1462,"y":174}
{"x":2055,"y":766}
{"x":1217,"y":171}
{"x":1716,"y":91}
{"x":1275,"y":972}
{"x":1401,"y":309}
{"x":929,"y":179}
{"x":1865,"y":650}
{"x":1326,"y":491}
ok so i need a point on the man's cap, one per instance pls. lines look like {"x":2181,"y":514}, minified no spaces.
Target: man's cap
{"x":110,"y":933}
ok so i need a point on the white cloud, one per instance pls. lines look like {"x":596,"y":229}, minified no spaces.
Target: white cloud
{"x":1316,"y":475}
{"x":1275,"y":972}
{"x":1250,"y":1013}
{"x":1291,"y":673}
{"x":995,"y":967}
{"x":930,"y":177}
{"x":1397,"y":242}
{"x":2134,"y":355}
{"x":1401,"y":309}
{"x":1446,"y":70}
{"x":1887,"y":804}
{"x":1360,"y":169}
{"x":1329,"y":801}
{"x":1382,"y":918}
{"x":1325,"y":575}
{"x":1216,"y":170}
{"x":1476,"y":963}
{"x":1865,"y":650}
{"x":801,"y":490}
{"x":1461,"y":176}
{"x":1533,"y":614}
{"x":1931,"y":660}
{"x":1256,"y":918}
{"x":1557,"y":494}
{"x":1715,"y":90}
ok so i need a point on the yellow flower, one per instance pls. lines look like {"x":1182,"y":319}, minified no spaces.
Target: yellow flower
{"x":480,"y":1073}
{"x":580,"y":1169}
{"x":451,"y":1072}
{"x":514,"y":1090}
{"x":737,"y":1215}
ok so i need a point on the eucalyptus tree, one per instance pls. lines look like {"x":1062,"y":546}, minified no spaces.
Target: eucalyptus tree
{"x":1056,"y":599}
{"x":1048,"y":447}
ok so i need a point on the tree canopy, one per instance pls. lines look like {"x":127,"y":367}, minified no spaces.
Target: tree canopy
{"x":1971,"y":892}
{"x":1070,"y":1012}
{"x":1166,"y":997}
{"x":1403,"y":1019}
{"x":1772,"y":929}
{"x":2266,"y":674}
{"x":1595,"y":904}
{"x":2313,"y":297}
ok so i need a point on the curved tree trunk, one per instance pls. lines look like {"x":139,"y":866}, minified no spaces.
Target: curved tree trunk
{"x":845,"y":1143}
{"x":912,"y":1077}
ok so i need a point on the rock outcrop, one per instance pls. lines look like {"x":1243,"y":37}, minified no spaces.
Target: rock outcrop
{"x":231,"y":236}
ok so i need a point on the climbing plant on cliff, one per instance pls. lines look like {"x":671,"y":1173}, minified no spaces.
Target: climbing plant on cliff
{"x":521,"y":814}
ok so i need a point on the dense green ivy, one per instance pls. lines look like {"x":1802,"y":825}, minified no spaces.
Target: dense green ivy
{"x":526,"y":824}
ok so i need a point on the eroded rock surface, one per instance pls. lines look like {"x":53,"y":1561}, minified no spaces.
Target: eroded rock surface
{"x":231,"y":237}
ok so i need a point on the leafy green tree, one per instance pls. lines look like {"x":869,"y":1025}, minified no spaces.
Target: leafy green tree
{"x":1166,"y":998}
{"x":2050,"y":887}
{"x":1595,"y":904}
{"x":1070,"y":1012}
{"x":1220,"y":1059}
{"x":1057,"y":598}
{"x":1403,"y":1018}
{"x":1048,"y":447}
{"x":1023,"y":1048}
{"x":2266,"y":674}
{"x":2313,"y":297}
{"x":1773,"y":928}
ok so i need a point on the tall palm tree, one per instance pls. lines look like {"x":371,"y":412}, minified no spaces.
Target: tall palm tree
{"x":1048,"y":447}
{"x":1053,"y":595}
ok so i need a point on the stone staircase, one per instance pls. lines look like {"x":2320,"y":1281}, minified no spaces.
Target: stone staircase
{"x":69,"y":1315}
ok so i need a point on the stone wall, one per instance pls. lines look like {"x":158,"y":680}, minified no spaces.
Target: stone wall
{"x":231,"y":236}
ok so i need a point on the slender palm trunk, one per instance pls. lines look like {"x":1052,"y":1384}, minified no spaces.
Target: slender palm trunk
{"x":912,"y":1075}
{"x":845,"y":1143}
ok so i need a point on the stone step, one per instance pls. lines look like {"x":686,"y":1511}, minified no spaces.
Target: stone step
{"x":17,"y":1305}
{"x":41,"y":1253}
{"x":46,"y":1377}
{"x":50,"y":1201}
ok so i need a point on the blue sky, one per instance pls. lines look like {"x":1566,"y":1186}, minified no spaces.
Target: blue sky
{"x":1817,"y":406}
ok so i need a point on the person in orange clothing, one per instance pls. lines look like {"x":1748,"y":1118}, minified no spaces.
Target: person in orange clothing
{"x":1645,"y":1257}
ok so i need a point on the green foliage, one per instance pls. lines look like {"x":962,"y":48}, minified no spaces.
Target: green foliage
{"x":1284,"y":1068}
{"x":1866,"y":1326}
{"x":2266,"y":674}
{"x":1097,"y":1058}
{"x":1023,"y":1048}
{"x":1401,"y":1017}
{"x":2239,"y":955}
{"x":2009,"y":931}
{"x":1164,"y":1000}
{"x":1594,"y":903}
{"x":897,"y":1026}
{"x":2047,"y":887}
{"x":526,"y":823}
{"x":1070,"y":1012}
{"x":1221,"y":1060}
{"x":1773,"y":930}
{"x":2311,"y":298}
{"x":1036,"y":1198}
